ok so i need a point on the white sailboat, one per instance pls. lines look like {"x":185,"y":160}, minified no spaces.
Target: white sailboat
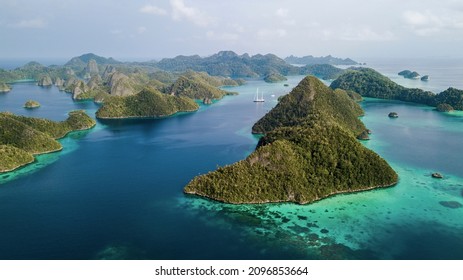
{"x":257,"y":98}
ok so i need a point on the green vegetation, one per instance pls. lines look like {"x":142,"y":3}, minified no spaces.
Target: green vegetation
{"x":148,"y":103}
{"x":369,"y":83}
{"x":24,"y":137}
{"x":452,"y":97}
{"x":322,"y":71}
{"x":274,"y":78}
{"x":409,"y":74}
{"x":309,"y":152}
{"x":12,"y":158}
{"x":444,"y":107}
{"x":31,"y":104}
{"x":309,"y":101}
{"x":198,"y":86}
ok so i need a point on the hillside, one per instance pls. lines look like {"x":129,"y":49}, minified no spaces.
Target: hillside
{"x":309,"y":152}
{"x":22,"y":137}
{"x":229,"y":64}
{"x":311,"y":100}
{"x":147,"y":103}
{"x":369,"y":83}
{"x":199,"y":86}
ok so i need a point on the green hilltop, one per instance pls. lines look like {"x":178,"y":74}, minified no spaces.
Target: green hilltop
{"x":22,"y":137}
{"x":147,"y":103}
{"x":369,"y":83}
{"x":309,"y":152}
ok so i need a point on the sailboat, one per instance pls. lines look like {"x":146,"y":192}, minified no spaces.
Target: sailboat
{"x":257,"y":99}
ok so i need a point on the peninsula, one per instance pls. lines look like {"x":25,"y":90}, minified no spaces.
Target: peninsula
{"x":23,"y":137}
{"x":369,"y":83}
{"x":308,"y":152}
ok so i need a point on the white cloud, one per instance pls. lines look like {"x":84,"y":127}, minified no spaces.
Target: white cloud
{"x":366,"y":34}
{"x":281,"y":12}
{"x":31,"y":23}
{"x":271,"y":33}
{"x":141,"y":29}
{"x":428,"y":23}
{"x":153,"y":10}
{"x":181,"y":11}
{"x":222,"y":36}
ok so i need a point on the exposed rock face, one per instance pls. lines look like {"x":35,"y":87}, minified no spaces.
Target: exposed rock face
{"x":4,"y":87}
{"x":92,"y":67}
{"x":70,"y":81}
{"x":207,"y":101}
{"x":109,"y":70}
{"x":31,"y":104}
{"x":59,"y":82}
{"x":45,"y":81}
{"x":70,"y":72}
{"x":363,"y":135}
{"x":94,"y":82}
{"x":80,"y":87}
{"x":120,"y":85}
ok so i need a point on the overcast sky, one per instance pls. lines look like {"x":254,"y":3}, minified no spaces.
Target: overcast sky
{"x":165,"y":28}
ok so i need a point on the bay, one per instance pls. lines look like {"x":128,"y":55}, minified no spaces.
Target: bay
{"x":115,"y":192}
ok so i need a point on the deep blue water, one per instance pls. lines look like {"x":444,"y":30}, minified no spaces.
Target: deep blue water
{"x":116,"y":191}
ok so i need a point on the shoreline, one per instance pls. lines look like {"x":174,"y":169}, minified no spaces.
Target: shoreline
{"x":330,"y":195}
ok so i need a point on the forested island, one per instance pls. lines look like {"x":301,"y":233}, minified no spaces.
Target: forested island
{"x":369,"y":83}
{"x":308,"y":152}
{"x":23,"y":137}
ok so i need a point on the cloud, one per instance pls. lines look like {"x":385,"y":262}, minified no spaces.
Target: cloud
{"x":153,"y":10}
{"x":222,"y":36}
{"x":366,"y":34}
{"x":271,"y":33}
{"x":141,"y":29}
{"x":181,"y":11}
{"x":31,"y":23}
{"x":428,"y":23}
{"x":281,"y":12}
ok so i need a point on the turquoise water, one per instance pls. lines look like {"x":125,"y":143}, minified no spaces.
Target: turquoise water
{"x":115,"y":192}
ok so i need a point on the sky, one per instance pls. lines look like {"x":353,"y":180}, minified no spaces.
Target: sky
{"x":154,"y":29}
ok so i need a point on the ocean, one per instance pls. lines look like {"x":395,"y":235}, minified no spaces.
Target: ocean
{"x":115,"y":192}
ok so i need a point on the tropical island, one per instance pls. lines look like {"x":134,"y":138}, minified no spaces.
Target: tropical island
{"x":23,"y":137}
{"x":369,"y":83}
{"x":31,"y":104}
{"x":4,"y":87}
{"x":308,"y":152}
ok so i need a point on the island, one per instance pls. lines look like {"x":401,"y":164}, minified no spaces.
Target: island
{"x":369,"y":83}
{"x":409,"y":74}
{"x":149,"y":103}
{"x":274,"y":78}
{"x":23,"y":137}
{"x":308,"y":152}
{"x":31,"y":104}
{"x":393,"y":115}
{"x":4,"y":87}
